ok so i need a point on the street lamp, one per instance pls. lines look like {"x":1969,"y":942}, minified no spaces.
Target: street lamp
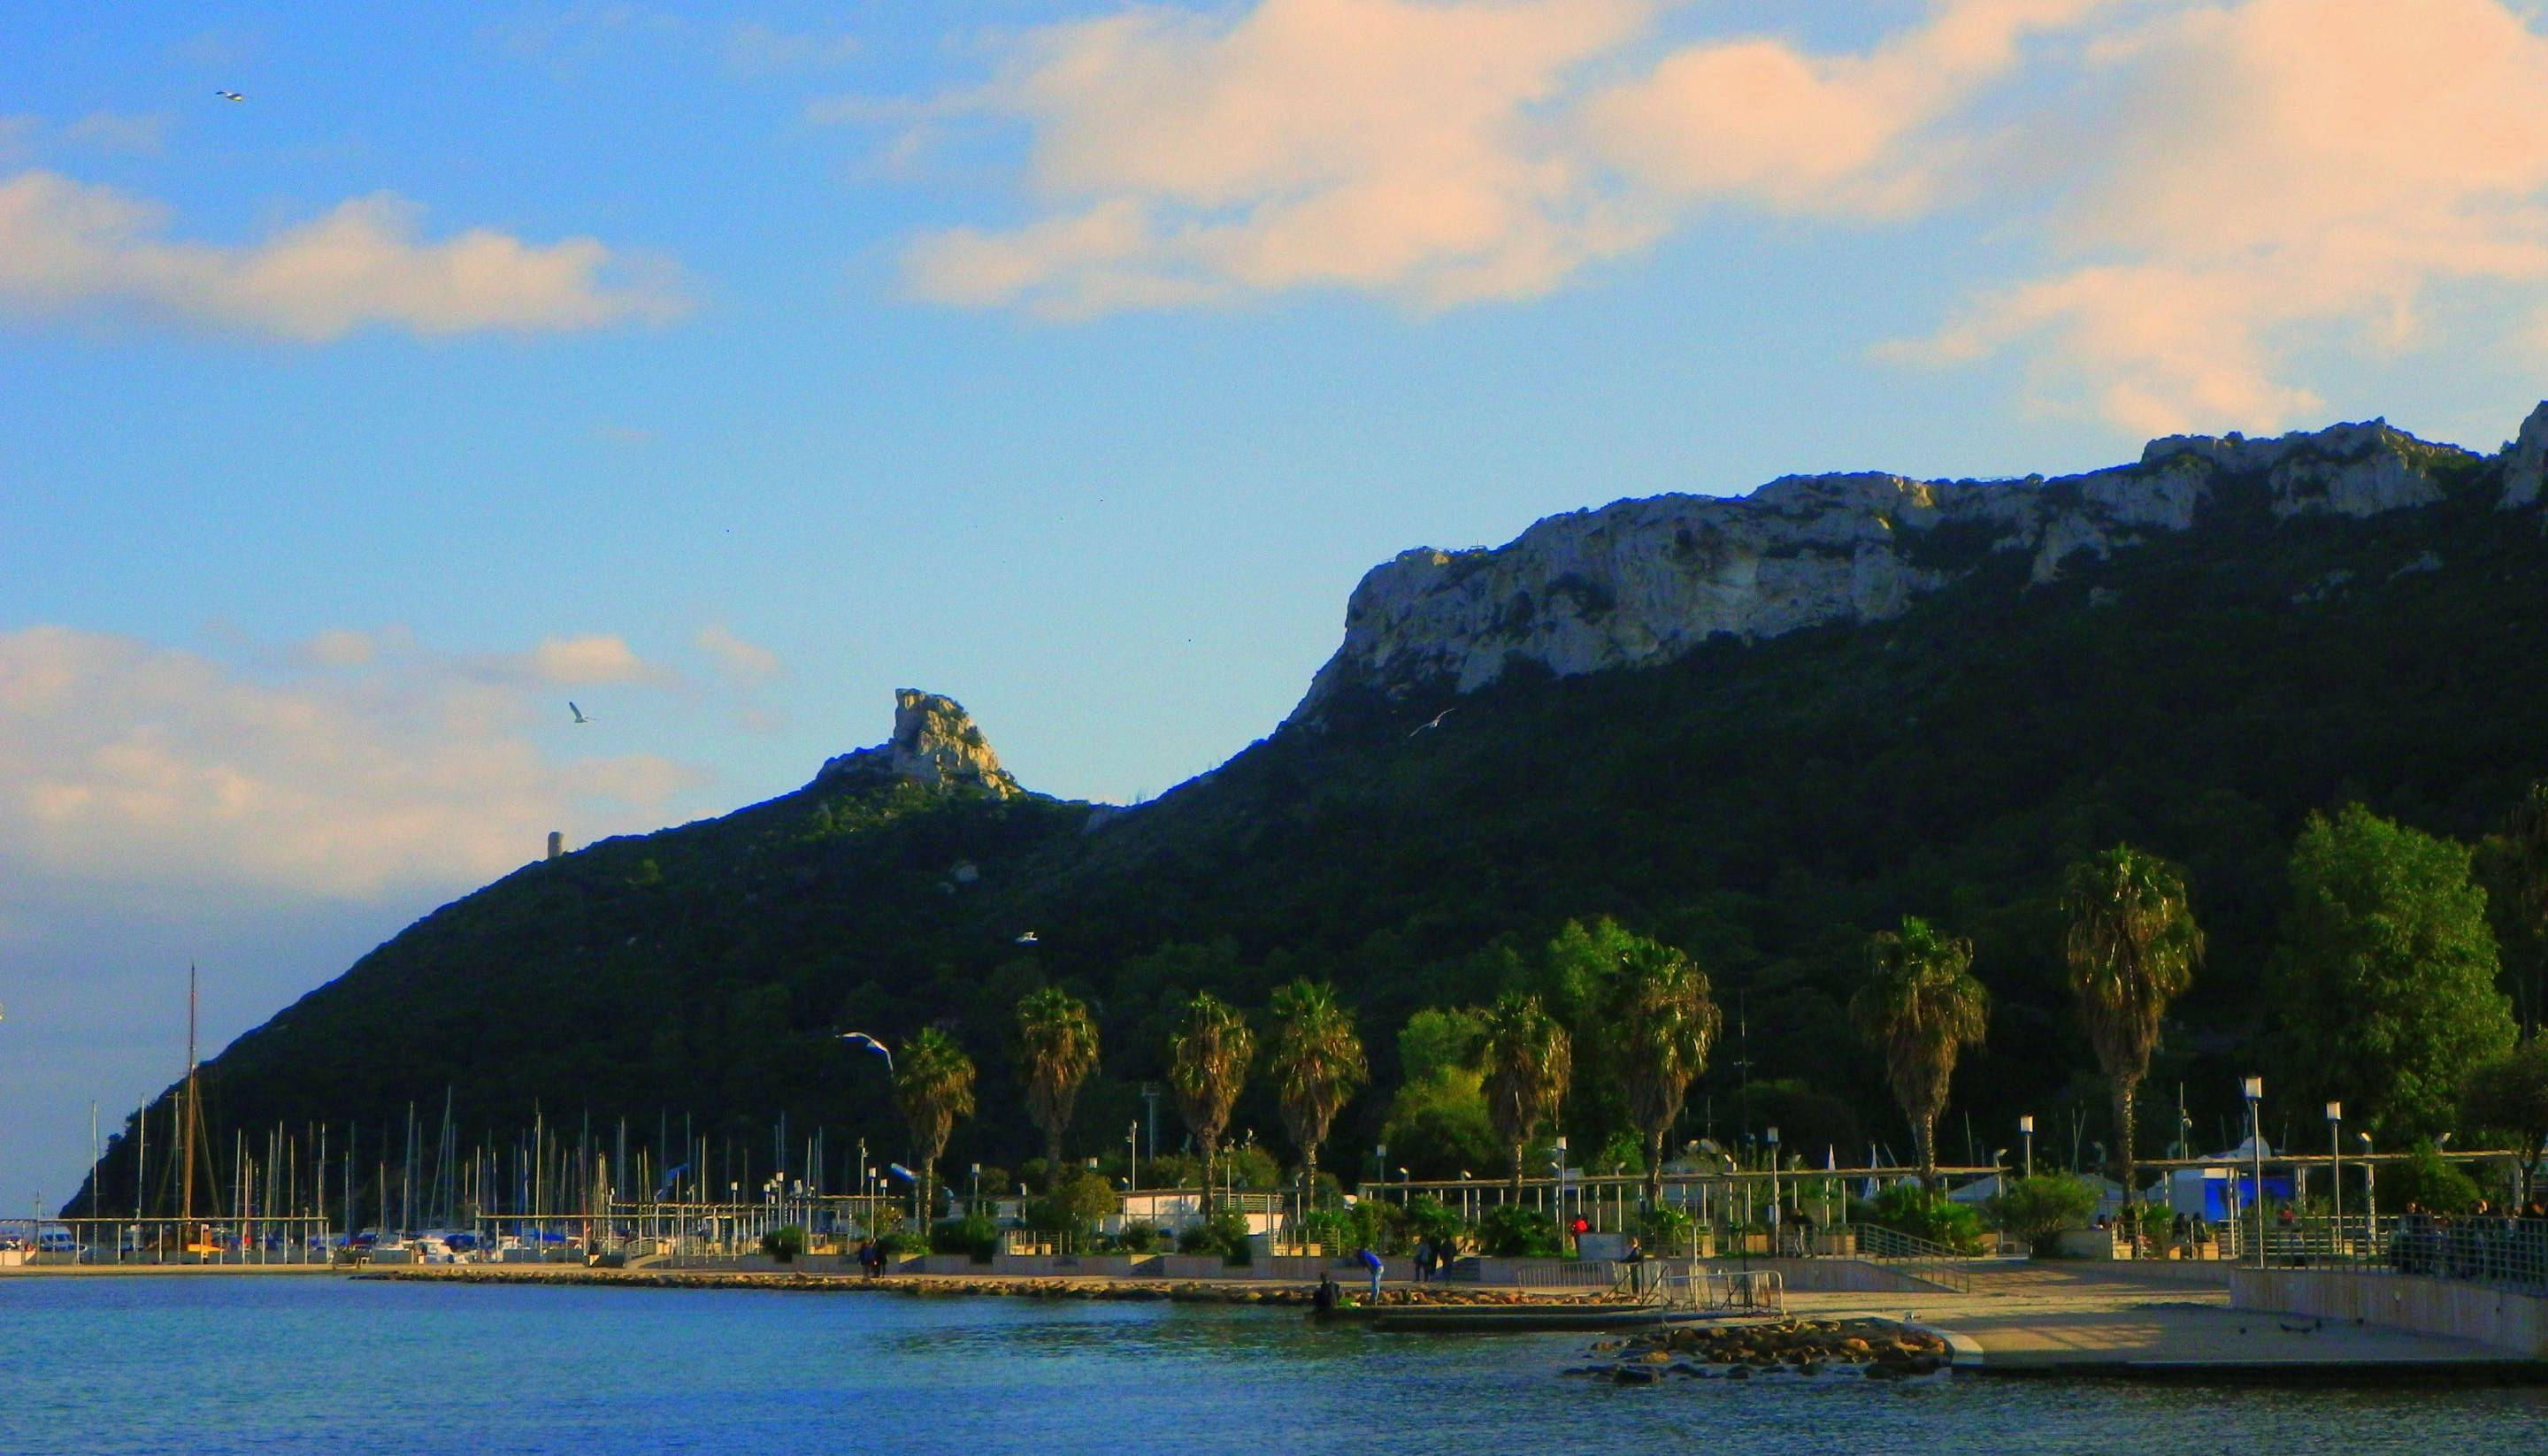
{"x":1133,"y":1150}
{"x":2026,"y":1130}
{"x":2370,"y":1194}
{"x":2335,"y":1165}
{"x":1773,"y":1137}
{"x":2253,"y":1090}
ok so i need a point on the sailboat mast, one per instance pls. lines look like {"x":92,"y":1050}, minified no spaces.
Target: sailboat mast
{"x":186,"y":1208}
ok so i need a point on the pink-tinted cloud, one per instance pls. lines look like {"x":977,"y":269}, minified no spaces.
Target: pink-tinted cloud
{"x":69,"y":248}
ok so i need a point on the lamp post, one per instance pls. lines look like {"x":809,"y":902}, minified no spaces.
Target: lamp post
{"x":1773,"y":1137}
{"x":2335,"y":1166}
{"x":2253,"y":1090}
{"x":1133,"y":1150}
{"x":2026,"y":1130}
{"x":2370,"y":1193}
{"x":976,"y":1201}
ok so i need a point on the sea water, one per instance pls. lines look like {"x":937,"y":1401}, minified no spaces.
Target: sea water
{"x":285,"y":1364}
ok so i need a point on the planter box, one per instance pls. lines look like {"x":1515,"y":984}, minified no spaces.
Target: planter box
{"x":2094,"y":1244}
{"x":1199,"y":1266}
{"x":1046,"y":1266}
{"x":952,"y":1264}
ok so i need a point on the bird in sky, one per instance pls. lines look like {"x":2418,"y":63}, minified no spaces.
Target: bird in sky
{"x":229,"y":96}
{"x":579,"y":712}
{"x":1436,"y":723}
{"x":1027,"y":939}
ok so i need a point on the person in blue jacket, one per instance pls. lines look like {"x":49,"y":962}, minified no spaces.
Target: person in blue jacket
{"x":1371,"y":1261}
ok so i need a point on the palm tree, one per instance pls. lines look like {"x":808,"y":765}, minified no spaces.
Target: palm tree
{"x":1058,"y":1042}
{"x":1208,"y":1059}
{"x":1921,"y":1006}
{"x":933,"y":1086}
{"x":2132,"y":949}
{"x":1666,"y":1023}
{"x":1528,"y":1061}
{"x":1318,"y":1065}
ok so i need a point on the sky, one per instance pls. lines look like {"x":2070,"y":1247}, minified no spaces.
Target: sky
{"x":723,"y":368}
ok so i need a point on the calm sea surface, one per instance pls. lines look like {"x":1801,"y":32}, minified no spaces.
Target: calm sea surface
{"x":277,"y":1365}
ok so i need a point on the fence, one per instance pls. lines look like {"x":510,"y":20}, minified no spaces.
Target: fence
{"x":146,"y":1242}
{"x":1920,"y":1258}
{"x":1689,"y":1286}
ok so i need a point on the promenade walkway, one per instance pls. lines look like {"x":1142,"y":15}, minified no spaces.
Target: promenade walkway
{"x":2159,"y":1320}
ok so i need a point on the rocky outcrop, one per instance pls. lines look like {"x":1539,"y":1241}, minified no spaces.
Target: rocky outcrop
{"x":1638,"y":582}
{"x":2525,"y":462}
{"x":935,"y":744}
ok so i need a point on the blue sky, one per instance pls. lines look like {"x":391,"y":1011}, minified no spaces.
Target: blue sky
{"x":724,"y":370}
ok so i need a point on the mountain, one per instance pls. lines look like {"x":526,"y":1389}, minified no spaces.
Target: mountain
{"x":1756,"y":728}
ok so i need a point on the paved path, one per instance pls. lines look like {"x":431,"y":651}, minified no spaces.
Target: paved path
{"x":2153,"y":1321}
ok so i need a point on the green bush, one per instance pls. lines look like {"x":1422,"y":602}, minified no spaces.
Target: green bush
{"x":783,"y":1243}
{"x":1141,"y":1238}
{"x":1223,"y":1233}
{"x":974,"y":1236}
{"x":1074,"y":1207}
{"x":2038,"y":1208}
{"x":1427,"y":1218}
{"x":1511,"y":1231}
{"x":898,"y":1243}
{"x":1907,"y":1207}
{"x":2429,"y":1182}
{"x":1665,"y":1230}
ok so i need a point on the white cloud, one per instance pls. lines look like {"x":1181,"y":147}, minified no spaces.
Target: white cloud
{"x":105,"y":131}
{"x":753,"y":49}
{"x":743,"y":663}
{"x":137,"y":768}
{"x":2254,"y":183}
{"x":588,"y":661}
{"x":1378,"y":144}
{"x":70,"y":248}
{"x":1442,"y":151}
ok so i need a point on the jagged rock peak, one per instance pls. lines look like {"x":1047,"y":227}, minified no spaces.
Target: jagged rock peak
{"x":1642,"y":582}
{"x":935,"y":744}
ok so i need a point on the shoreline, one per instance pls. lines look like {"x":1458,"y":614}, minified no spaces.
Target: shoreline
{"x":1298,"y":1294}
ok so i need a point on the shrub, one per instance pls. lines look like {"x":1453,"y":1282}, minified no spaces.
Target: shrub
{"x":1141,"y":1238}
{"x":1663,"y":1230}
{"x":974,"y":1236}
{"x":2430,"y":1182}
{"x":1223,"y":1233}
{"x":783,"y":1243}
{"x":898,"y":1243}
{"x":2038,"y":1208}
{"x":1074,"y":1207}
{"x":1427,"y":1218}
{"x":1511,"y":1230}
{"x":1907,"y":1207}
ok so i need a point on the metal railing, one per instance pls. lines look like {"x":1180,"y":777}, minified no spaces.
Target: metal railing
{"x":1920,"y":1258}
{"x":1687,"y":1287}
{"x":1568,"y":1273}
{"x":2509,"y":1253}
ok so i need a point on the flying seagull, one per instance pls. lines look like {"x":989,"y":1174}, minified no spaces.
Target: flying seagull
{"x":1436,"y":723}
{"x":229,"y":96}
{"x":1027,"y":939}
{"x":579,"y":712}
{"x":863,"y":1040}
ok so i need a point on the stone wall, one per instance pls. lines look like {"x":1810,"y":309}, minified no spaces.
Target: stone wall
{"x":2517,"y":1322}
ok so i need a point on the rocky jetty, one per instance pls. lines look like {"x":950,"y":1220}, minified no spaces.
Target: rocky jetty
{"x":1639,"y":583}
{"x":818,"y":1281}
{"x":935,"y":744}
{"x":1874,"y":1349}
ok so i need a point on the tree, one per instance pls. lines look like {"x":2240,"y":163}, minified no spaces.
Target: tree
{"x":1664,"y":1023}
{"x":1318,"y":1065}
{"x":1921,"y":1006}
{"x":933,"y":1086}
{"x":2385,"y":983}
{"x":1528,"y":1060}
{"x":1207,"y":1059}
{"x":2509,"y":1095}
{"x":2525,"y":840}
{"x":2132,"y":948}
{"x":1057,"y":1047}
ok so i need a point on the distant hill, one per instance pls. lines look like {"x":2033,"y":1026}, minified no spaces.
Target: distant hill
{"x":1756,"y":728}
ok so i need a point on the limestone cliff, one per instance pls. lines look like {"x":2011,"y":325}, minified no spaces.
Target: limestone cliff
{"x":1638,"y":582}
{"x":935,"y":744}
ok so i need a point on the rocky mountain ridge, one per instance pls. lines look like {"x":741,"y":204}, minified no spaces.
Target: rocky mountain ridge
{"x":935,"y":744}
{"x":1639,"y":583}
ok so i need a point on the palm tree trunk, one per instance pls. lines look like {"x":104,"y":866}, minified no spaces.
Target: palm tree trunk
{"x":1518,"y":1148}
{"x":1655,"y":1170}
{"x":1209,"y":1144}
{"x":928,"y":1194}
{"x":1928,"y":1130}
{"x":2123,"y":1126}
{"x":1052,"y":1160}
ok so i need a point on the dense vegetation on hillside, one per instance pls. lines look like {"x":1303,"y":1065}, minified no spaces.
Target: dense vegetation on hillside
{"x":1762,"y":806}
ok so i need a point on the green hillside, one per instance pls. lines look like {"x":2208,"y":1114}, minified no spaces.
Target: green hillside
{"x":1762,"y":806}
